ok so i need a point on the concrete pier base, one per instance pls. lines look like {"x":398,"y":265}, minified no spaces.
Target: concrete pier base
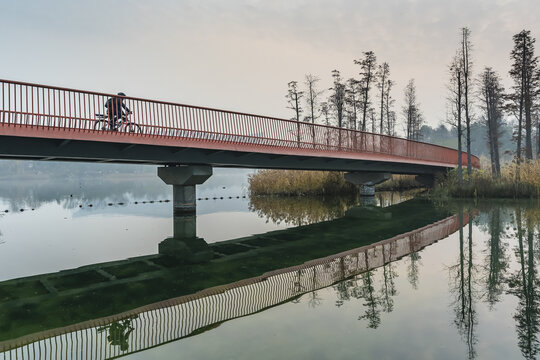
{"x":185,"y":245}
{"x":366,"y":190}
{"x":184,"y":179}
{"x":366,"y":181}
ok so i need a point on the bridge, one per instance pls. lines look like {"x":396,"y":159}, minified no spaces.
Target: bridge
{"x":42,"y":122}
{"x":198,"y":309}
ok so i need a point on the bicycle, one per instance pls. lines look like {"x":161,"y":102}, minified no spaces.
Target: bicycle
{"x":123,"y":124}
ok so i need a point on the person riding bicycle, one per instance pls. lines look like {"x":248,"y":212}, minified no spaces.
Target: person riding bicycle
{"x":115,"y":110}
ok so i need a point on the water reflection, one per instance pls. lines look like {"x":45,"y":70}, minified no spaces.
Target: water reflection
{"x":462,"y":287}
{"x":364,"y":266}
{"x":199,"y":311}
{"x":496,"y":256}
{"x":472,"y":282}
{"x":119,"y":332}
{"x":299,"y":211}
{"x":186,"y":265}
{"x":523,"y":284}
{"x":101,"y":189}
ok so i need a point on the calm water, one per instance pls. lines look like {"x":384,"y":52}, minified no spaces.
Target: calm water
{"x":93,"y":270}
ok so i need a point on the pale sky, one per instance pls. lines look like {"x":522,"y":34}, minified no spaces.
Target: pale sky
{"x":240,"y":55}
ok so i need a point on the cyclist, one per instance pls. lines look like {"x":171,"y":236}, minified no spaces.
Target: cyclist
{"x":115,"y":110}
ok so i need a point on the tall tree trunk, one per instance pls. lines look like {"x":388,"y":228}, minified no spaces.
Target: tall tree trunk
{"x":297,"y":119}
{"x":537,"y":136}
{"x":491,"y":135}
{"x":460,"y":157}
{"x":382,"y":102}
{"x":465,"y":54}
{"x":528,"y":121}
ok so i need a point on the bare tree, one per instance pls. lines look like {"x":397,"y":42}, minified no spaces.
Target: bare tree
{"x":455,"y":101}
{"x":337,"y":100}
{"x":411,"y":111}
{"x":293,"y":97}
{"x":325,"y":111}
{"x":389,"y":103}
{"x":312,"y":97}
{"x":536,"y":117}
{"x":466,"y":65}
{"x":353,"y":101}
{"x":367,"y":65}
{"x":373,"y":119}
{"x":525,"y":74}
{"x":383,"y":73}
{"x":491,"y":95}
{"x":312,"y":101}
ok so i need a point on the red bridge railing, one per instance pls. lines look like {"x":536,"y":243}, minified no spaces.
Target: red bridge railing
{"x":48,"y":107}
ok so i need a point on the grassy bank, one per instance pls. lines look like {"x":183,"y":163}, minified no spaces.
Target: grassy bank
{"x":298,"y":182}
{"x":515,"y":182}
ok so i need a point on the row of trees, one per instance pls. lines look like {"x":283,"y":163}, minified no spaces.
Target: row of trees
{"x":363,"y":103}
{"x":522,"y":101}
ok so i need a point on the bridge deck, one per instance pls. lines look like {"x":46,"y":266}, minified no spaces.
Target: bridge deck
{"x":52,"y":123}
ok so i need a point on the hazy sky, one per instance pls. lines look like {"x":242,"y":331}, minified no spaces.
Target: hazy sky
{"x":240,"y":55}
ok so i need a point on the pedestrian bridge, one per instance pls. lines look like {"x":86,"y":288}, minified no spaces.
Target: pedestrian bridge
{"x":51,"y":123}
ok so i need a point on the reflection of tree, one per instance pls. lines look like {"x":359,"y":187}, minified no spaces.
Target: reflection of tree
{"x":372,"y":301}
{"x":388,"y":289}
{"x":308,"y":210}
{"x":413,"y":269}
{"x":496,"y":259}
{"x":461,"y":287}
{"x":362,"y":287}
{"x":119,"y":332}
{"x":314,"y":299}
{"x":524,"y":284}
{"x":300,"y":210}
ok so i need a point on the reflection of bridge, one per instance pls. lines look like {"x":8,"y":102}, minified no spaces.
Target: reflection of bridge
{"x":169,"y":320}
{"x":51,"y":123}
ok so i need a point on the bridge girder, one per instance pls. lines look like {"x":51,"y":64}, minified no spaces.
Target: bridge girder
{"x":14,"y":147}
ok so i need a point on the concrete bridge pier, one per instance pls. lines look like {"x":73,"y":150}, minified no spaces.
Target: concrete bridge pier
{"x":184,"y":245}
{"x":366,"y":181}
{"x":184,"y":179}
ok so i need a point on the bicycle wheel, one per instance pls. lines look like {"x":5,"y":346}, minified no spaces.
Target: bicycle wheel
{"x":134,"y":128}
{"x":101,"y":125}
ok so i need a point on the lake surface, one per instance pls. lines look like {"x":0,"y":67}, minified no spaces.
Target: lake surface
{"x":94,"y":269}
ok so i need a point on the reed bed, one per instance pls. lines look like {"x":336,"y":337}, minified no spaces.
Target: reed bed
{"x":521,"y":181}
{"x":300,"y":182}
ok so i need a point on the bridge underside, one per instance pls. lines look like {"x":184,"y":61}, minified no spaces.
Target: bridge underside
{"x":51,"y":149}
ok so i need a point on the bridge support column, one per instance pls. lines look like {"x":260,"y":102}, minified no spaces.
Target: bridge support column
{"x":185,"y":245}
{"x":366,"y":181}
{"x":184,"y":179}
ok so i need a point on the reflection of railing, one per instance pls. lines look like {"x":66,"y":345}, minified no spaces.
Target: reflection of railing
{"x":38,"y":109}
{"x":173,"y":319}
